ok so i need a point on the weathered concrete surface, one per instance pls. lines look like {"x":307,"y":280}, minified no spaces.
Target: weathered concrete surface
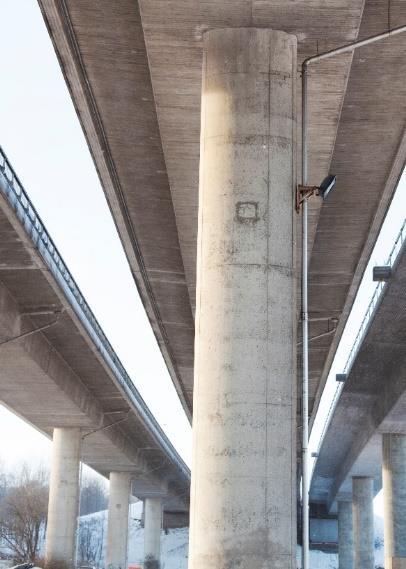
{"x":394,"y":497}
{"x":59,"y":378}
{"x":345,"y":536}
{"x":243,"y":502}
{"x":372,"y":402}
{"x":117,"y":526}
{"x":152,"y":532}
{"x":141,"y":114}
{"x":63,"y":505}
{"x":363,"y":522}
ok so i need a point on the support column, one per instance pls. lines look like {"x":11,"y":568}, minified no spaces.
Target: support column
{"x":345,"y":536}
{"x":363,"y":520}
{"x":152,"y":532}
{"x":117,"y":529}
{"x":394,"y":499}
{"x":63,"y":506}
{"x":243,"y":498}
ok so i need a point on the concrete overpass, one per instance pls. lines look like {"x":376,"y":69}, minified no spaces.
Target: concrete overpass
{"x":364,"y":446}
{"x":134,"y":70}
{"x":59,"y":373}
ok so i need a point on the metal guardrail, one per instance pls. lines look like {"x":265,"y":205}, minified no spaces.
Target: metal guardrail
{"x":17,"y":197}
{"x":366,"y":322}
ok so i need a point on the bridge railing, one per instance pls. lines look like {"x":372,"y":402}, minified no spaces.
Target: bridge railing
{"x":365,"y":323}
{"x":17,"y":197}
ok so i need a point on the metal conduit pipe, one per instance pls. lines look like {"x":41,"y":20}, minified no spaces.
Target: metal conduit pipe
{"x":305,"y":316}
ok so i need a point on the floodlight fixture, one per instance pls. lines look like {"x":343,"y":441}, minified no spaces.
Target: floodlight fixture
{"x":327,"y":185}
{"x":341,"y":377}
{"x":305,"y":192}
{"x":382,"y":273}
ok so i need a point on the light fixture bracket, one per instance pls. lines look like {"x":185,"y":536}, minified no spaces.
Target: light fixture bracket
{"x":303,"y":193}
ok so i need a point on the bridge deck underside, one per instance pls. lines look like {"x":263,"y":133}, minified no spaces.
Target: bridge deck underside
{"x":134,"y":71}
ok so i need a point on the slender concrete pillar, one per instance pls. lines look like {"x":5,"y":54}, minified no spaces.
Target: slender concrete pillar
{"x":394,"y":499}
{"x":117,"y":529}
{"x":345,"y":536}
{"x":63,"y":507}
{"x":243,"y":498}
{"x":363,"y":521}
{"x":152,"y":532}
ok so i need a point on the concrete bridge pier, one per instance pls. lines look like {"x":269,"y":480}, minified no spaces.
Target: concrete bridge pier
{"x":243,"y":498}
{"x":394,"y":499}
{"x":345,"y":536}
{"x":63,"y":507}
{"x":363,"y":522}
{"x":152,"y":532}
{"x":117,"y":529}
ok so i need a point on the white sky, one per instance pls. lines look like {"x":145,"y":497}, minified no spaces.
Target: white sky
{"x":42,"y":137}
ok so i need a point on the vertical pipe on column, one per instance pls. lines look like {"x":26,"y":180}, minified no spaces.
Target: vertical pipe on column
{"x":243,"y":495}
{"x":117,"y":529}
{"x":63,"y":503}
{"x":363,"y":522}
{"x":152,"y":532}
{"x":394,"y":499}
{"x":345,"y":536}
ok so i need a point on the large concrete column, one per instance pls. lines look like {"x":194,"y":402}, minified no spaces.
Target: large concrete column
{"x":63,"y":507}
{"x":152,"y":532}
{"x":394,"y":499}
{"x":243,"y":498}
{"x":363,"y":521}
{"x":117,"y":529}
{"x":345,"y":536}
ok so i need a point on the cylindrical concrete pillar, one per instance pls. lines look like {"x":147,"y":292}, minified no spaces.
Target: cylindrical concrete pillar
{"x":152,"y":532}
{"x":363,"y":522}
{"x":63,"y":507}
{"x":345,"y":536}
{"x":117,"y":529}
{"x":394,"y":499}
{"x":243,"y":503}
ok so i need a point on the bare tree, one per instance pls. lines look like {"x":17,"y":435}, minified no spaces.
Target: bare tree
{"x":90,"y":541}
{"x":23,"y":513}
{"x":93,"y":496}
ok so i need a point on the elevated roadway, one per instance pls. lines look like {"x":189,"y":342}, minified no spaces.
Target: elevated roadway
{"x":60,"y":374}
{"x":134,"y":72}
{"x":373,"y":399}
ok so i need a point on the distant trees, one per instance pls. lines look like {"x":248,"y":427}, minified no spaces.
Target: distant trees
{"x":23,"y":513}
{"x":24,"y":509}
{"x":93,"y":496}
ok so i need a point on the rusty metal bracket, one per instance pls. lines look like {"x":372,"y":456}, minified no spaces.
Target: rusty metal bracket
{"x":304,"y":193}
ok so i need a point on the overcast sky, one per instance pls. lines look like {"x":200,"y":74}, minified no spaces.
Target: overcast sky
{"x":42,"y":137}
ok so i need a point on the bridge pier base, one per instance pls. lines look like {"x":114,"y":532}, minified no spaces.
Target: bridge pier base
{"x":63,"y":506}
{"x":345,"y":536}
{"x":243,"y":491}
{"x":363,"y":522}
{"x":117,"y":528}
{"x":152,"y":532}
{"x":394,"y":499}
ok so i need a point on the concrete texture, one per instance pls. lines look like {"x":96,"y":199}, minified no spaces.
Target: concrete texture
{"x":345,"y":536}
{"x":117,"y":526}
{"x":243,"y":502}
{"x":140,"y":111}
{"x":63,"y":505}
{"x":394,"y":496}
{"x":363,"y":522}
{"x":152,"y":532}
